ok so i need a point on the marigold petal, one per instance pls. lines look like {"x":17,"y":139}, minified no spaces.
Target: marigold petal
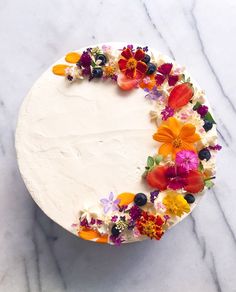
{"x":141,"y":67}
{"x":102,"y":239}
{"x":165,"y":149}
{"x":89,"y":234}
{"x":122,"y":64}
{"x":126,"y":53}
{"x":139,"y":55}
{"x":130,"y":73}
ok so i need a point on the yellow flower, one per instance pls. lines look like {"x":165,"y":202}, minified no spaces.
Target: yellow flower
{"x":176,"y":204}
{"x":175,"y":137}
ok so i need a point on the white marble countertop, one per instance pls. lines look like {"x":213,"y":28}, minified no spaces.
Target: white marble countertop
{"x":197,"y":255}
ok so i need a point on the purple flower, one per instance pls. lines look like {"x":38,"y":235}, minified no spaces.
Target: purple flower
{"x":114,"y":218}
{"x":154,"y":195}
{"x":110,"y":204}
{"x":216,"y":147}
{"x":85,"y":60}
{"x":135,"y":212}
{"x":187,"y":159}
{"x":167,"y":112}
{"x":153,"y":94}
{"x":93,"y":221}
{"x":202,"y":110}
{"x":84,"y":223}
{"x":99,"y":222}
{"x":145,"y":49}
{"x":116,"y":240}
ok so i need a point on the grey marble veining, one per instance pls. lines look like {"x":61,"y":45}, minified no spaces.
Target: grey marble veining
{"x":197,"y":255}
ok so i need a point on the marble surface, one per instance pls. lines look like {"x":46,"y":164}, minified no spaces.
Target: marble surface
{"x":197,"y":255}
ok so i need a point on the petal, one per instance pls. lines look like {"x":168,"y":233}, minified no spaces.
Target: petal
{"x":141,"y":67}
{"x":111,"y":196}
{"x":187,"y":146}
{"x":104,"y":201}
{"x":165,"y":68}
{"x":188,"y":134}
{"x":106,"y":208}
{"x":60,"y":69}
{"x":122,"y":64}
{"x":165,"y":149}
{"x":72,"y":57}
{"x":139,"y":55}
{"x":126,"y":53}
{"x":164,"y":134}
{"x":159,"y":79}
{"x":116,"y":202}
{"x":130,"y":73}
{"x":172,"y":79}
{"x":174,"y":125}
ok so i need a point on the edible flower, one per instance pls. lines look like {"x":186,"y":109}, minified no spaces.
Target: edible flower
{"x":175,"y":137}
{"x":110,"y":203}
{"x":130,"y":63}
{"x":187,"y":159}
{"x":176,"y":204}
{"x":163,"y":73}
{"x":150,"y":225}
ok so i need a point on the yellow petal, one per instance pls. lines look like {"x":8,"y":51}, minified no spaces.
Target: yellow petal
{"x":125,"y":198}
{"x":59,"y":69}
{"x":72,"y":57}
{"x":165,"y":149}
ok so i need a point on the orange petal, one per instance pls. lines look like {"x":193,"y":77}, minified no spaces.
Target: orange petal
{"x":89,"y":234}
{"x":72,"y":57}
{"x":187,"y":130}
{"x":174,"y":125}
{"x":164,"y":134}
{"x":192,"y":139}
{"x":187,"y":146}
{"x":165,"y":149}
{"x":59,"y":69}
{"x":125,"y":198}
{"x":103,"y":239}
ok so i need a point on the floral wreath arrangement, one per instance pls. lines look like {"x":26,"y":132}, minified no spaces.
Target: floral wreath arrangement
{"x":185,"y":161}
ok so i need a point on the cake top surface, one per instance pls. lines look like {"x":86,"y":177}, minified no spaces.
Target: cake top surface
{"x":122,"y":156}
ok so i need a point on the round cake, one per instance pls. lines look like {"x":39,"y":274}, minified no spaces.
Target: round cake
{"x":116,"y":143}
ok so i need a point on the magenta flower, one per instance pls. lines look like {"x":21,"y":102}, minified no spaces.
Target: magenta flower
{"x":135,"y":212}
{"x":216,"y":147}
{"x":167,"y":113}
{"x":110,"y":203}
{"x":202,"y":110}
{"x":187,"y":159}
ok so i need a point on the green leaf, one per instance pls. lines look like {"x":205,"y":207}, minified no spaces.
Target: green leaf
{"x":209,"y":184}
{"x":200,"y":167}
{"x":150,"y":161}
{"x":208,"y":117}
{"x":196,"y":106}
{"x":158,"y":159}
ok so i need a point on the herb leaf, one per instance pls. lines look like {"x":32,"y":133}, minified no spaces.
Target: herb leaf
{"x":150,"y":161}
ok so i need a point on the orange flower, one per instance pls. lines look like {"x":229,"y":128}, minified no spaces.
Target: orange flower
{"x":131,"y":63}
{"x":176,"y":136}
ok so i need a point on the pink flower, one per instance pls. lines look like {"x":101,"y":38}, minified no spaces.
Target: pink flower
{"x":187,"y":159}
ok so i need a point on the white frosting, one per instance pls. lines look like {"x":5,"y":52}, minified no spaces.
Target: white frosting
{"x":78,"y":142}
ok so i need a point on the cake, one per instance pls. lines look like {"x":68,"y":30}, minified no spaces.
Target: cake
{"x":116,"y":143}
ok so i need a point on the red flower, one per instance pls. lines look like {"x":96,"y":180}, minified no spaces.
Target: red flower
{"x":150,"y":225}
{"x":163,"y":73}
{"x":173,"y":177}
{"x":130,"y":63}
